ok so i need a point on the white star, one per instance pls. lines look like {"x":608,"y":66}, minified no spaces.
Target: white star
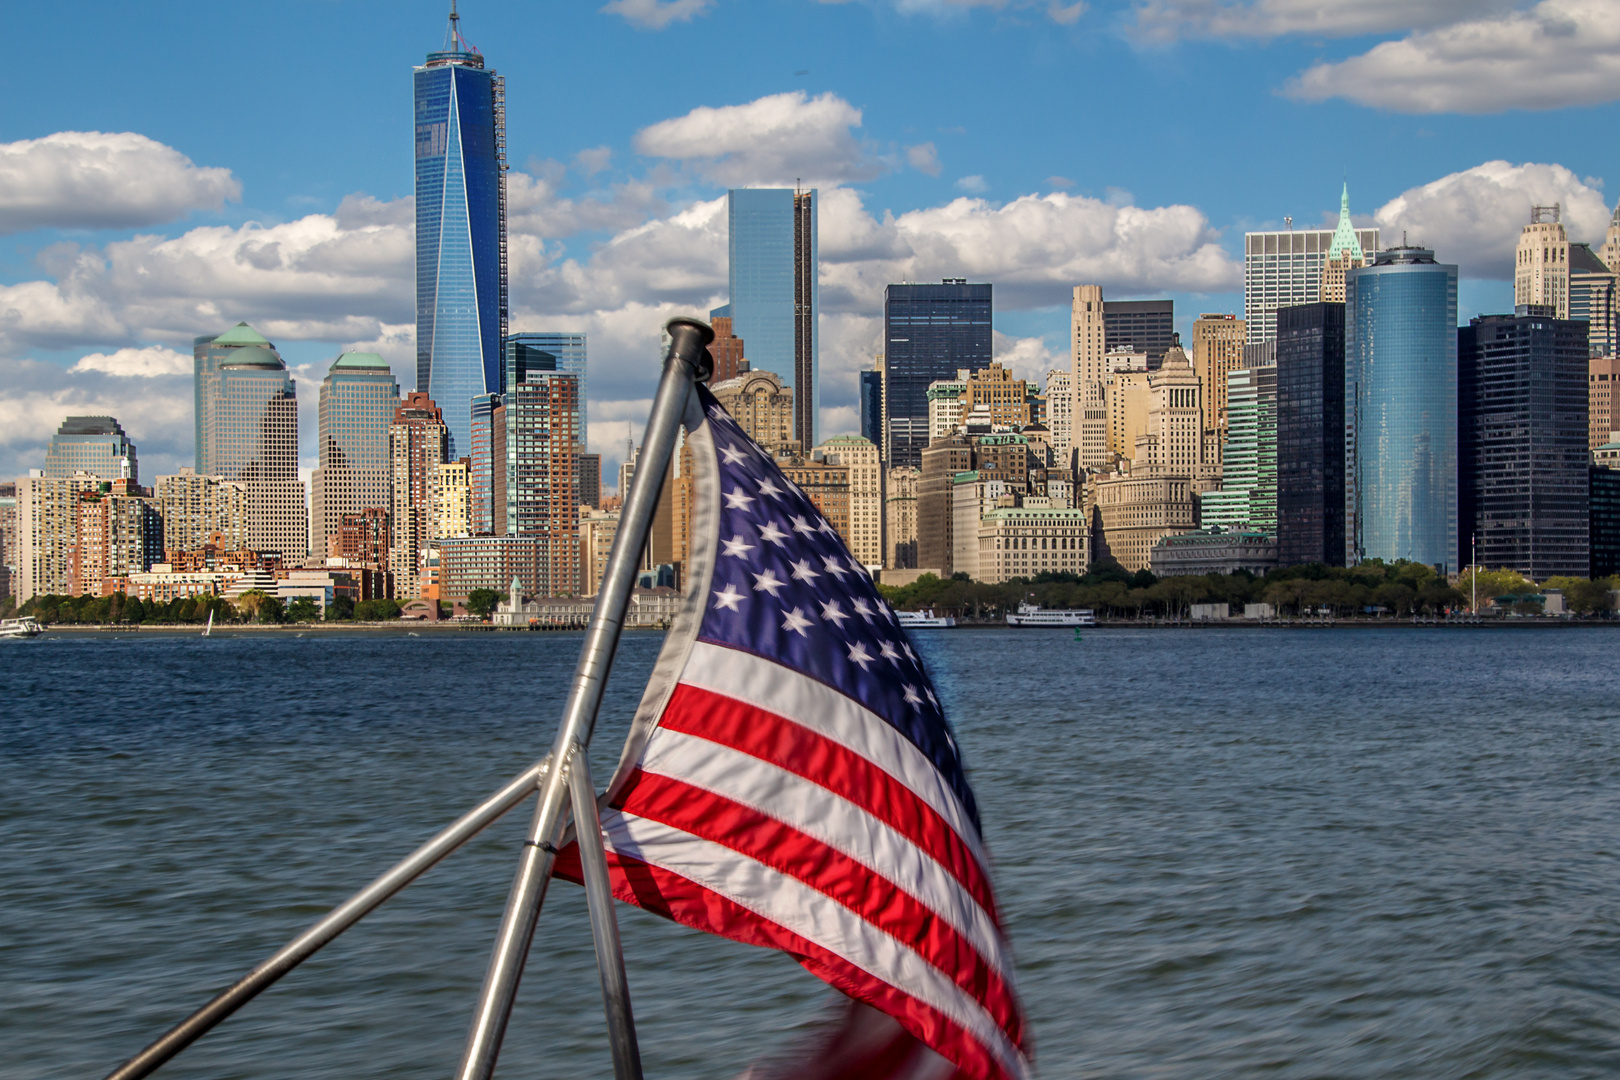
{"x":834,"y":567}
{"x":907,"y":646}
{"x":890,"y":653}
{"x":935,"y":702}
{"x":770,"y":531}
{"x":717,"y":412}
{"x":912,"y":699}
{"x":768,"y":488}
{"x":728,"y":600}
{"x":826,"y":527}
{"x":732,"y":456}
{"x":952,"y":744}
{"x":862,"y":609}
{"x":833,"y":613}
{"x":767,"y":582}
{"x":802,"y":571}
{"x":803,"y":527}
{"x":795,"y":621}
{"x":736,"y":547}
{"x":888,"y":612}
{"x":859,"y":655}
{"x":857,"y":567}
{"x":736,"y":500}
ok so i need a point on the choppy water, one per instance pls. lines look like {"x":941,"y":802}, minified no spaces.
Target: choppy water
{"x":1360,"y":853}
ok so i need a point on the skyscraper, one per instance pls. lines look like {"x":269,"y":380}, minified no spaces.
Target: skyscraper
{"x":1289,"y":268}
{"x":1401,"y":408}
{"x":92,"y":444}
{"x":1310,"y":434}
{"x":1142,"y":325}
{"x":207,"y":351}
{"x":872,"y":405}
{"x":727,"y":348}
{"x":567,"y":352}
{"x":930,"y":332}
{"x":1248,"y":495}
{"x":417,"y":442}
{"x":357,"y":403}
{"x":774,"y":292}
{"x":460,"y":230}
{"x":1522,"y":442}
{"x":1541,"y":262}
{"x":542,"y":409}
{"x":1217,"y":351}
{"x":1594,"y":298}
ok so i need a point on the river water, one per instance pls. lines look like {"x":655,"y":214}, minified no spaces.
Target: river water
{"x":1296,"y":854}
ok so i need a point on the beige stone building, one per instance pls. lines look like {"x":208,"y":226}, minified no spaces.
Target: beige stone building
{"x":1128,"y":400}
{"x":1217,"y":351}
{"x":825,"y":484}
{"x":47,"y":523}
{"x":451,"y":499}
{"x":947,"y":403}
{"x":1603,"y":374}
{"x":1134,"y":509}
{"x":994,"y":391}
{"x":1541,"y":262}
{"x":860,"y":456}
{"x":195,"y":507}
{"x":1025,"y":541}
{"x":762,"y":406}
{"x":596,"y":531}
{"x":1087,"y":369}
{"x":1060,"y":412}
{"x":1175,"y":418}
{"x":900,"y":517}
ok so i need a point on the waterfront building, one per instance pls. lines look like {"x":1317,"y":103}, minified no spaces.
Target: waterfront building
{"x":1310,"y":365}
{"x":1247,"y":498}
{"x":1021,"y":542}
{"x":418,"y":440}
{"x":775,"y":294}
{"x":1060,"y":413}
{"x":597,"y":528}
{"x":461,"y":301}
{"x":162,"y":584}
{"x":486,"y":467}
{"x":320,"y":584}
{"x":825,"y":484}
{"x":363,"y":539}
{"x":92,"y":444}
{"x":1218,"y":342}
{"x":871,"y":391}
{"x":1130,"y":511}
{"x":900,"y":517}
{"x":117,"y":532}
{"x":491,"y":562}
{"x":543,"y":408}
{"x":946,"y":405}
{"x":730,"y":359}
{"x":1603,"y":516}
{"x":762,"y":407}
{"x":1522,"y":456}
{"x":941,"y":461}
{"x":567,"y":353}
{"x":930,"y":332}
{"x":8,"y":535}
{"x":207,"y":352}
{"x":1594,"y":298}
{"x":860,"y":456}
{"x":1602,"y":401}
{"x":357,"y":402}
{"x":1214,"y":550}
{"x":196,"y":509}
{"x":47,"y":522}
{"x":450,"y":499}
{"x":1541,"y":262}
{"x":1290,"y":267}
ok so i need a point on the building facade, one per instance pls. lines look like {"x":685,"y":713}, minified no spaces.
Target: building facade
{"x":1060,"y":413}
{"x":542,"y":461}
{"x":1603,"y":521}
{"x":1602,"y":399}
{"x":418,"y":440}
{"x":762,"y":407}
{"x":491,"y":562}
{"x":860,"y":456}
{"x":451,"y":500}
{"x":1541,"y":263}
{"x":1247,"y":498}
{"x":900,"y":517}
{"x":117,"y":532}
{"x":727,"y":348}
{"x":251,"y":435}
{"x":1132,"y":511}
{"x":1144,"y":326}
{"x":47,"y":523}
{"x":941,"y":461}
{"x":92,"y":444}
{"x":1289,"y":268}
{"x":1214,"y":550}
{"x":995,"y":394}
{"x":1217,"y":342}
{"x":775,"y":294}
{"x":196,"y":509}
{"x":871,"y":391}
{"x":207,"y":352}
{"x":567,"y":353}
{"x":1311,"y":465}
{"x":597,"y":528}
{"x":930,"y":332}
{"x":825,"y":484}
{"x":1019,"y":542}
{"x":1594,"y":298}
{"x":357,"y":402}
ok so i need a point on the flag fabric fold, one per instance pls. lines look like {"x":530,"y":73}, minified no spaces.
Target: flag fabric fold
{"x":791,"y":781}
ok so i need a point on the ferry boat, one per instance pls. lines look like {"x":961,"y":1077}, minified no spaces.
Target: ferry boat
{"x":925,"y":620}
{"x":1032,"y":615}
{"x":25,"y":627}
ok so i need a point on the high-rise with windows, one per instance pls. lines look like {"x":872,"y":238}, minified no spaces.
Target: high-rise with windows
{"x":1541,"y":262}
{"x":1147,"y":326}
{"x":872,"y":404}
{"x":930,"y":332}
{"x":1309,"y":351}
{"x":92,"y":444}
{"x":1594,"y":298}
{"x":1290,"y":267}
{"x":460,"y":230}
{"x":542,"y":409}
{"x":567,"y":352}
{"x":1217,"y":352}
{"x":417,"y":441}
{"x":357,"y":403}
{"x":774,"y":292}
{"x":1248,"y":495}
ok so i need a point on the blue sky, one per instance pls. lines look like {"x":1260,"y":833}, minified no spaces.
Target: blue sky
{"x":264,"y":168}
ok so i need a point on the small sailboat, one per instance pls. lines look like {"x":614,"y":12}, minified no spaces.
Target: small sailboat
{"x":209,"y":629}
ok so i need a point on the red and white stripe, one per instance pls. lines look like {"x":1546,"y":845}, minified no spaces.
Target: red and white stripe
{"x":769,"y":808}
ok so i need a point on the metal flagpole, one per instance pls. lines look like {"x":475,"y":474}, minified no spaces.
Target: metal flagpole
{"x":340,"y":918}
{"x":687,"y":362}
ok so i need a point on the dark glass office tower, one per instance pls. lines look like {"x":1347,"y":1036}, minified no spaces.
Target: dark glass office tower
{"x":1145,"y":325}
{"x":460,"y":231}
{"x":774,"y":292}
{"x":1603,"y":499}
{"x":872,"y":406}
{"x":1310,"y":435}
{"x":1522,"y":455}
{"x":930,"y":332}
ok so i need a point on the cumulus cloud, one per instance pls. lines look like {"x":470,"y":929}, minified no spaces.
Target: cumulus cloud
{"x":657,"y":14}
{"x":1063,"y":14}
{"x":1472,"y":217}
{"x":773,"y":140}
{"x":102,"y":180}
{"x":924,"y":157}
{"x":1027,"y":358}
{"x":147,"y":363}
{"x":1556,"y":54}
{"x":974,"y":184}
{"x":1166,"y":20}
{"x":156,"y":412}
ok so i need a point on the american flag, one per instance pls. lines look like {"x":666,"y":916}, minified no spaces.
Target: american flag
{"x":791,"y":781}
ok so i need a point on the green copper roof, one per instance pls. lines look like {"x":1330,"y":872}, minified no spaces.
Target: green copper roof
{"x":241,"y":334}
{"x":351,"y":360}
{"x":858,"y":440}
{"x":1344,"y":237}
{"x":252,"y":356}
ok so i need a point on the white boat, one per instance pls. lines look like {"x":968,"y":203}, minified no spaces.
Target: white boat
{"x":925,"y":620}
{"x":25,"y":627}
{"x":1033,"y":615}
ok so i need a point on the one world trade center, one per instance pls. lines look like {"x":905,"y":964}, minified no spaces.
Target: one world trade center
{"x":460,"y":231}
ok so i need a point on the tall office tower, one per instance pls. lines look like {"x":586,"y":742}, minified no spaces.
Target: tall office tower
{"x":357,"y":403}
{"x":1217,"y":351}
{"x":1088,"y":371}
{"x":207,"y":351}
{"x":1400,"y":345}
{"x":992,"y":393}
{"x":1147,"y":326}
{"x":92,"y":444}
{"x":567,"y":352}
{"x":47,"y":521}
{"x":946,"y":405}
{"x":1541,"y":262}
{"x":1344,"y":254}
{"x":1060,"y":414}
{"x":1175,"y":419}
{"x":484,"y":462}
{"x":762,"y":407}
{"x":726,"y":348}
{"x":542,"y":407}
{"x":251,"y":434}
{"x":1603,"y":528}
{"x":1289,"y":268}
{"x":872,"y":404}
{"x":8,"y":532}
{"x":1522,"y":457}
{"x":195,"y":508}
{"x":1594,"y":298}
{"x":774,"y":293}
{"x":460,"y":230}
{"x":1602,"y":399}
{"x":941,"y":461}
{"x":900,"y":517}
{"x":930,"y":332}
{"x":418,"y":440}
{"x":860,"y":456}
{"x":1309,"y":351}
{"x":1248,"y":495}
{"x":1609,"y":253}
{"x":590,"y":479}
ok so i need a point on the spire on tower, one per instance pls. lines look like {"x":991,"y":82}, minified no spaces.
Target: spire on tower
{"x":1344,"y":237}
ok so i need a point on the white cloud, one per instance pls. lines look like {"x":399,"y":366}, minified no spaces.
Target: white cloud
{"x":1066,"y":14}
{"x":1556,"y":54}
{"x":974,"y":185}
{"x":147,"y":363}
{"x":657,"y":14}
{"x":839,"y":420}
{"x":1063,"y":14}
{"x":592,"y":161}
{"x":1473,"y":217}
{"x":100,"y":180}
{"x":156,"y":412}
{"x":1166,"y":20}
{"x":773,"y":140}
{"x":924,"y":157}
{"x":1027,"y":358}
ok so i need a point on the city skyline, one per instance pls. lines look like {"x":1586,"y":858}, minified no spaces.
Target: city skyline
{"x":621,"y":176}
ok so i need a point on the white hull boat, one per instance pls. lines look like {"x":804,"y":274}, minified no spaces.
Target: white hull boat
{"x":1033,"y":615}
{"x":25,"y":627}
{"x":925,"y":620}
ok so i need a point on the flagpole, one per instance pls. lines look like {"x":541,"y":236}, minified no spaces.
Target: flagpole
{"x":686,"y":362}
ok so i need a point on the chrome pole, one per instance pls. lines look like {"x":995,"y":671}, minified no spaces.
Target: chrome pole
{"x":604,"y":923}
{"x":686,"y":362}
{"x":340,"y":918}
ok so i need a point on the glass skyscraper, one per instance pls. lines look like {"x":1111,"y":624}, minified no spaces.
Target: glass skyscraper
{"x":1401,"y":405}
{"x":92,"y":444}
{"x":774,"y":292}
{"x":1310,"y":434}
{"x":357,"y":403}
{"x":566,"y":350}
{"x":460,"y":231}
{"x":929,"y":332}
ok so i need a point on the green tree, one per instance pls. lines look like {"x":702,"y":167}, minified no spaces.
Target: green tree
{"x":303,"y":609}
{"x":380,"y":610}
{"x":1492,"y":583}
{"x":481,"y":602}
{"x":341,"y":608}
